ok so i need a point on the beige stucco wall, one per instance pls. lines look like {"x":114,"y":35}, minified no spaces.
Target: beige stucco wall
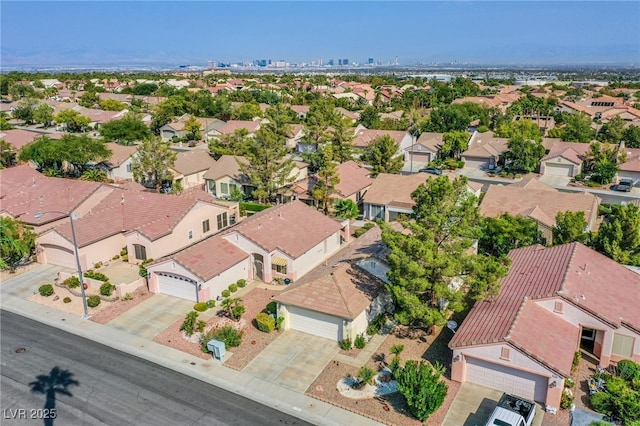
{"x":562,"y":161}
{"x":101,"y":251}
{"x":315,"y":256}
{"x":357,"y":326}
{"x":120,"y":173}
{"x":195,"y":179}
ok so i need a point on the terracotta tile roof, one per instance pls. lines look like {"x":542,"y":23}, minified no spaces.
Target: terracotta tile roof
{"x":485,"y":145}
{"x":528,"y":196}
{"x":353,"y":178}
{"x":353,"y":115}
{"x":572,"y":271}
{"x":190,"y":162}
{"x":295,"y":129}
{"x":19,"y":138}
{"x":227,"y":165}
{"x":632,"y":163}
{"x":209,"y":257}
{"x":570,"y":151}
{"x":388,"y":188}
{"x":294,"y":228}
{"x":232,"y":125}
{"x":119,"y":153}
{"x":300,"y":108}
{"x":25,"y":192}
{"x":345,"y":292}
{"x":364,"y":137}
{"x":432,"y":141}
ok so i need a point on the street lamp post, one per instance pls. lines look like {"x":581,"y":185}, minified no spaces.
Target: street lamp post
{"x":77,"y":254}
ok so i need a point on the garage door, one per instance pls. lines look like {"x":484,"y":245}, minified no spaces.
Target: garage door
{"x":315,"y":323}
{"x":176,"y":285}
{"x":558,"y":169}
{"x":476,"y":163}
{"x":506,"y":379}
{"x":56,"y":255}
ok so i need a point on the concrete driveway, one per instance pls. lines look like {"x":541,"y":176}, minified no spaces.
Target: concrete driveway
{"x":294,"y":360}
{"x":473,"y":405}
{"x":152,"y":316}
{"x":27,"y":283}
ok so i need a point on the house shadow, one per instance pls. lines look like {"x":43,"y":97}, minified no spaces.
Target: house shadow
{"x":481,"y":415}
{"x":57,"y":382}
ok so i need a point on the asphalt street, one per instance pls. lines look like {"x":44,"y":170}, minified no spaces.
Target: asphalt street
{"x":94,"y":384}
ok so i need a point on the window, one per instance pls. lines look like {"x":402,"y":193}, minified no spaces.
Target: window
{"x":622,"y":345}
{"x":505,"y":353}
{"x":558,"y":307}
{"x":222,"y":220}
{"x":129,"y":167}
{"x":190,"y":234}
{"x":205,"y":226}
{"x":281,"y":269}
{"x":224,"y":188}
{"x":140,"y":251}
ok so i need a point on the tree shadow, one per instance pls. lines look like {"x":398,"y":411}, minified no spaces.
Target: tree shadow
{"x":58,"y":381}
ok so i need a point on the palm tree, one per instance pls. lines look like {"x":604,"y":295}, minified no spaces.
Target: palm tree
{"x":346,"y":209}
{"x":94,"y":175}
{"x":56,"y":382}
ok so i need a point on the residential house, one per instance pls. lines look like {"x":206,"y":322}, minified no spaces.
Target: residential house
{"x":190,"y":167}
{"x":553,"y":302}
{"x":364,"y":137}
{"x":288,"y":240}
{"x":533,"y":199}
{"x":351,"y":115}
{"x":225,"y":175}
{"x":176,"y":129}
{"x":630,"y":168}
{"x":231,"y":126}
{"x":354,"y":182}
{"x":24,"y":193}
{"x":564,"y":159}
{"x":19,"y":138}
{"x":301,"y":110}
{"x":296,"y":133}
{"x":149,"y":225}
{"x":118,"y":166}
{"x":390,"y":195}
{"x":426,"y":148}
{"x":484,"y":151}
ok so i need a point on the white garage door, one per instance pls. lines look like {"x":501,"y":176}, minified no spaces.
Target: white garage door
{"x":176,"y":285}
{"x":506,"y":379}
{"x":315,"y":323}
{"x":56,"y":255}
{"x":476,"y":163}
{"x":558,"y":169}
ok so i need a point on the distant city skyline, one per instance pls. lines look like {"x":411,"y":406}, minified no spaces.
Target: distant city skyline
{"x":92,"y":33}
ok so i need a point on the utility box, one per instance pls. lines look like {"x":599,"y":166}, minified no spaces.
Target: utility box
{"x":217,"y":348}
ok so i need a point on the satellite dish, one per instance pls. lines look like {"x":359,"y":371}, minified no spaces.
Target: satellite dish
{"x":452,"y":325}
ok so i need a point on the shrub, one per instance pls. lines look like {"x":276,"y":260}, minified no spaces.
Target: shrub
{"x":366,"y":375}
{"x":211,"y":304}
{"x":566,"y":399}
{"x":200,"y":325}
{"x":97,"y":265}
{"x":229,"y":335}
{"x":233,"y":288}
{"x":482,"y":128}
{"x":345,"y":344}
{"x":360,"y":342}
{"x":376,"y":324}
{"x":601,"y":402}
{"x":96,"y":275}
{"x":369,"y":225}
{"x":106,"y":289}
{"x":125,"y":258}
{"x":271,"y":307}
{"x":279,"y":323}
{"x":200,"y":306}
{"x":237,"y":311}
{"x":359,"y":232}
{"x":225,"y":293}
{"x":123,"y":252}
{"x":205,"y":338}
{"x":67,"y":300}
{"x":93,"y":301}
{"x":421,"y":387}
{"x":570,"y":383}
{"x":116,"y":257}
{"x":127,"y":296}
{"x":45,"y":290}
{"x":579,"y":177}
{"x":189,"y":323}
{"x":628,"y":369}
{"x":71,"y":282}
{"x":241,"y":282}
{"x":142,"y":271}
{"x":577,"y":357}
{"x":265,"y":322}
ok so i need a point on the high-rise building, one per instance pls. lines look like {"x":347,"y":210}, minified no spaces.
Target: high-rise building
{"x":330,"y":62}
{"x":345,"y":62}
{"x":371,"y":62}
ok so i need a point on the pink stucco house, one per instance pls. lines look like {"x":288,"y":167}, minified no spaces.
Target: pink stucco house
{"x":554,"y":302}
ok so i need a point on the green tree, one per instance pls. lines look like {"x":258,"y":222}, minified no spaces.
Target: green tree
{"x":326,"y":184}
{"x":604,"y":171}
{"x":422,"y":388}
{"x":346,"y":209}
{"x":247,"y":111}
{"x":612,"y":131}
{"x":369,"y":118}
{"x":94,"y":175}
{"x":17,"y":241}
{"x":193,"y":128}
{"x":342,"y":142}
{"x":454,"y":143}
{"x":7,"y":154}
{"x":382,"y":156}
{"x":144,"y":89}
{"x":448,"y":118}
{"x":631,"y":136}
{"x":280,"y":119}
{"x":576,"y":128}
{"x":88,"y":99}
{"x":433,"y":250}
{"x":570,"y":226}
{"x":619,"y":235}
{"x":504,"y":233}
{"x":267,"y":166}
{"x":43,"y":114}
{"x":19,"y":91}
{"x":522,"y":155}
{"x":525,"y":128}
{"x":112,"y":105}
{"x":24,"y":110}
{"x":152,"y":164}
{"x":230,"y":144}
{"x":70,"y":154}
{"x":125,"y":131}
{"x":4,"y":121}
{"x":73,"y":120}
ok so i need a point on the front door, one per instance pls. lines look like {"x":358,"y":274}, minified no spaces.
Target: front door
{"x":258,"y":266}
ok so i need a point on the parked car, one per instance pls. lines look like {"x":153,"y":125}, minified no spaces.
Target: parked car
{"x":624,"y":185}
{"x":512,"y":410}
{"x":432,"y":170}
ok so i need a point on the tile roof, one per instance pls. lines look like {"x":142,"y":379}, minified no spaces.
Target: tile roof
{"x":232,"y":125}
{"x":632,"y":163}
{"x":294,"y":228}
{"x":571,"y":151}
{"x":389,"y":188}
{"x":190,"y":162}
{"x":528,"y":196}
{"x":432,"y":141}
{"x":25,"y":192}
{"x":227,"y":165}
{"x":209,"y":257}
{"x":19,"y":138}
{"x":485,"y":145}
{"x":345,"y":292}
{"x":364,"y":137}
{"x":353,"y":178}
{"x":571,"y":271}
{"x":119,"y":153}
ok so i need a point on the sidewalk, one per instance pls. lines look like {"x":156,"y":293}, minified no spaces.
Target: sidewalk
{"x":12,"y":299}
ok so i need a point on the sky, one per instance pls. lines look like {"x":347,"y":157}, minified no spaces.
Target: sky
{"x":192,"y":33}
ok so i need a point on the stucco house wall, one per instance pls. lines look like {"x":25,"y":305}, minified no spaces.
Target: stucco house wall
{"x":315,"y":256}
{"x":562,"y":161}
